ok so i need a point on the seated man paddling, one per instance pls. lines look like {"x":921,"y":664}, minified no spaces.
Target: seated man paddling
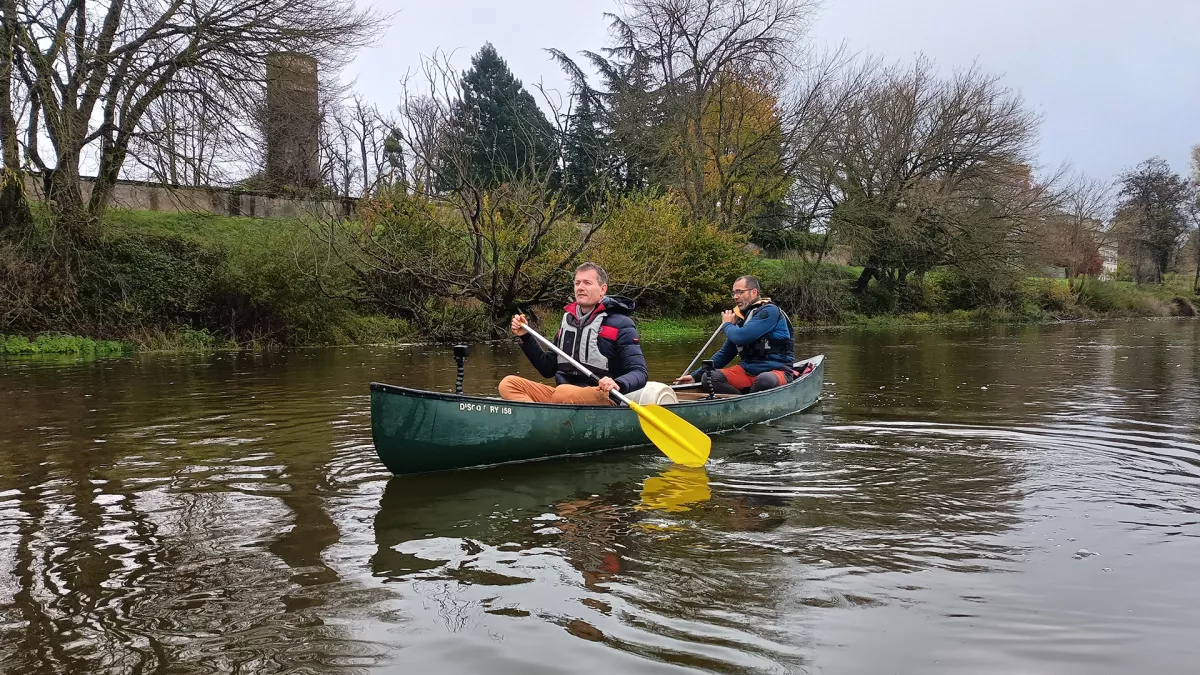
{"x":760,"y":335}
{"x":597,"y":332}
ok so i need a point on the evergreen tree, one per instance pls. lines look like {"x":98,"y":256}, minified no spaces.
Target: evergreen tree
{"x":639,"y":125}
{"x":393,"y":157}
{"x":585,"y":156}
{"x":499,"y":133}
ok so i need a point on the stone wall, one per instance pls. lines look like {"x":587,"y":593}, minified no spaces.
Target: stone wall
{"x":145,"y":196}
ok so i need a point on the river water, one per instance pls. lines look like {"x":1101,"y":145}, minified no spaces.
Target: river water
{"x":1012,"y":499}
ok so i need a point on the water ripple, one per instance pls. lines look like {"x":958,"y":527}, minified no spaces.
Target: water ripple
{"x":961,"y":501}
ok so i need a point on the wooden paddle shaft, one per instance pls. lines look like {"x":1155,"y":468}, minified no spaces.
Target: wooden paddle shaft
{"x":579,"y":366}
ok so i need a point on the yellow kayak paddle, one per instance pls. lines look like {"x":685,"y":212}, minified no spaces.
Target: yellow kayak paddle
{"x":681,"y":442}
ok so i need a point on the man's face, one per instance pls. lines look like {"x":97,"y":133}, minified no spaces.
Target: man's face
{"x":742,"y":295}
{"x":588,"y":289}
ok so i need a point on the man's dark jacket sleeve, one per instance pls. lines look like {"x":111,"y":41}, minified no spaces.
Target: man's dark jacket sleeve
{"x":545,"y":362}
{"x":629,"y":351}
{"x":762,"y":323}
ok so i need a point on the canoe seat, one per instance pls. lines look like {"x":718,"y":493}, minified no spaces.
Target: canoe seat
{"x":700,"y":395}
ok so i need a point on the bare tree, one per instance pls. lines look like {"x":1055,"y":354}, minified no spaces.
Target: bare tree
{"x":93,"y":70}
{"x":338,"y":151}
{"x":921,"y":171}
{"x":14,"y":212}
{"x":184,"y":138}
{"x":360,"y":148}
{"x":503,"y":247}
{"x":1073,"y":234}
{"x":1153,"y":211}
{"x":698,"y":49}
{"x":1194,"y":215}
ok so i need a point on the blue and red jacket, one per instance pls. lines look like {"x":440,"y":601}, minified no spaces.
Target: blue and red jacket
{"x":605,"y":341}
{"x":763,"y":341}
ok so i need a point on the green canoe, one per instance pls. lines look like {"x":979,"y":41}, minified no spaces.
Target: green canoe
{"x":419,"y":431}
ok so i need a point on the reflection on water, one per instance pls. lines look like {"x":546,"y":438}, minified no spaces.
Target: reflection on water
{"x":1012,"y":499}
{"x":675,"y":489}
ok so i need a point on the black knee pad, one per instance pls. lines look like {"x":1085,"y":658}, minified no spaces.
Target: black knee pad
{"x":767,"y":380}
{"x":721,"y":385}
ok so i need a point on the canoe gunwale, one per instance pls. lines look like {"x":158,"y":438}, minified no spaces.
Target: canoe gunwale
{"x":492,"y":400}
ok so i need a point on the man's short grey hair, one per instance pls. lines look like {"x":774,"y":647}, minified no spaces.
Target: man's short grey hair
{"x":600,"y":273}
{"x":751,"y":282}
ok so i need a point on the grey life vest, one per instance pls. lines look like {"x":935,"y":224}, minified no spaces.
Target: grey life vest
{"x":583,"y":344}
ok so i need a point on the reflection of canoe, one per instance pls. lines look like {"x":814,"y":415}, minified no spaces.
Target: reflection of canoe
{"x":418,"y":431}
{"x":465,"y":506}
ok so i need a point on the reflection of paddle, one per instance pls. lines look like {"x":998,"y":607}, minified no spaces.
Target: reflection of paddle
{"x":675,"y":487}
{"x":680,"y":441}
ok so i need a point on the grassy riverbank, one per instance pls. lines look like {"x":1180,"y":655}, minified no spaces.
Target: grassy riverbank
{"x":1040,"y":301}
{"x":193,"y":282}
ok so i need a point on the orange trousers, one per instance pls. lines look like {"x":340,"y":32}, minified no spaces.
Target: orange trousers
{"x":513,"y":388}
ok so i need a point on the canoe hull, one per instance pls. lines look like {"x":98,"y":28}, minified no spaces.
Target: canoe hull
{"x":419,"y":431}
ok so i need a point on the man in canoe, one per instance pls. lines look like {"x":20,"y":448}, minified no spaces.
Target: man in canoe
{"x":596,"y":331}
{"x":760,"y":335}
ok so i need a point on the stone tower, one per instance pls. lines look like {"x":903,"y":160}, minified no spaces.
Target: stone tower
{"x":293,"y":121}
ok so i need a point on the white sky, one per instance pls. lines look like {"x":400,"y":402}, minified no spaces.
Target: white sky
{"x":1116,"y":81}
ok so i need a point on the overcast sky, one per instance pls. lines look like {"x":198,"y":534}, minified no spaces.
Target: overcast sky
{"x":1116,"y":81}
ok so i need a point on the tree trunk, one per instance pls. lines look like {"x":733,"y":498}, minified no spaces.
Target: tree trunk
{"x":864,"y":279}
{"x":66,"y":196}
{"x":14,"y":210}
{"x":699,"y":158}
{"x":1196,"y":245}
{"x":1196,"y":280}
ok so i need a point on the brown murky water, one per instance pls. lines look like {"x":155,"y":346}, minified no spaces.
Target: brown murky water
{"x":985,"y":501}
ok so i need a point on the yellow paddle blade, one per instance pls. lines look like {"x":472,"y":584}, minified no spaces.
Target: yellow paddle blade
{"x":681,"y":442}
{"x":675,"y":488}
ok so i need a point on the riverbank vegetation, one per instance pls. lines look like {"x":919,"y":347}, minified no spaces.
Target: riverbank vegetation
{"x":862,"y":193}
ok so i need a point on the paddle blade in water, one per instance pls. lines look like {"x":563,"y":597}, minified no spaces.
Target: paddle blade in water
{"x":681,"y":442}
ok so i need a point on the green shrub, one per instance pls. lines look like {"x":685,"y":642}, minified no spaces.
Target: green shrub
{"x":811,"y":291}
{"x":1050,"y":295}
{"x":780,"y":240}
{"x":1181,"y":306}
{"x":172,"y":277}
{"x":675,"y":328}
{"x":1120,"y":298}
{"x":951,"y":289}
{"x":54,"y":343}
{"x":139,"y":279}
{"x":912,"y":296}
{"x":651,"y":249}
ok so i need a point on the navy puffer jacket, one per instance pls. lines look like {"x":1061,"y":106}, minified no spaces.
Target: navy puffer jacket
{"x":608,"y":348}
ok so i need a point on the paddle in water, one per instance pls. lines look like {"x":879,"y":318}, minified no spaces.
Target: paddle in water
{"x":681,"y":442}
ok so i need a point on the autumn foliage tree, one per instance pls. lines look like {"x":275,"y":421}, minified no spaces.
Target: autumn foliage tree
{"x":744,"y":172}
{"x":693,"y":97}
{"x":1071,"y":234}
